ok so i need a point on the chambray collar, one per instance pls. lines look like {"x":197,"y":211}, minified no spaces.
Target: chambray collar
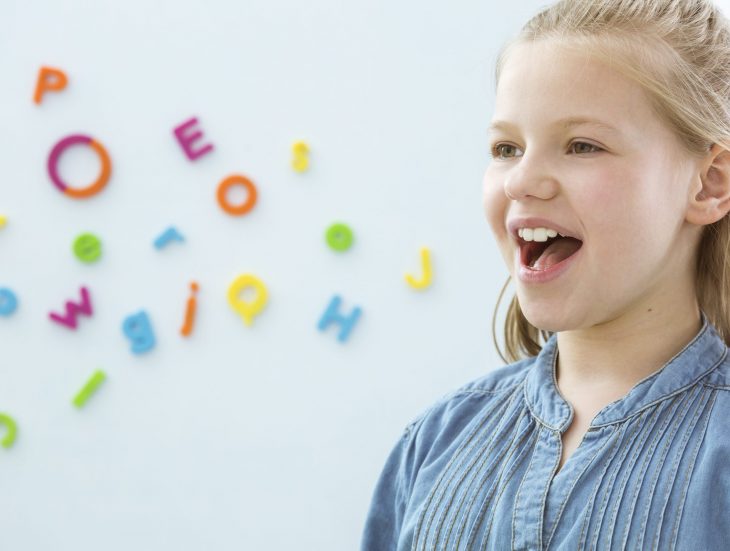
{"x":702,"y":354}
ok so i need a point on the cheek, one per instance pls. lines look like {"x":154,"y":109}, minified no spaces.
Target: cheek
{"x":495,"y":203}
{"x":607,"y":200}
{"x":621,"y":221}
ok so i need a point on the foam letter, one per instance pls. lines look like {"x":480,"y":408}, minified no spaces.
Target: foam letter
{"x":187,"y":327}
{"x":138,"y":329}
{"x":332,"y":316}
{"x":187,"y":139}
{"x":49,"y":80}
{"x":170,"y":234}
{"x":425,"y":281}
{"x":247,"y":310}
{"x":72,"y":309}
{"x":9,"y":423}
{"x":101,"y":181}
{"x":229,"y":182}
{"x":8,"y":302}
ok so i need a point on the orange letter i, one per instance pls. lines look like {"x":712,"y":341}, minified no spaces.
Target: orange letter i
{"x":187,"y":327}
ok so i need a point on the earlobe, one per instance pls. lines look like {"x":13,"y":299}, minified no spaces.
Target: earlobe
{"x":712,"y":201}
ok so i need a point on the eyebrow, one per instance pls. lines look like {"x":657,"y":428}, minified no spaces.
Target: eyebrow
{"x":565,"y":124}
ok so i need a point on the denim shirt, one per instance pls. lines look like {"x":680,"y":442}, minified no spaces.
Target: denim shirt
{"x":476,"y":470}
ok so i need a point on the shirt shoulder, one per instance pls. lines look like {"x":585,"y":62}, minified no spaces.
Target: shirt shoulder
{"x":499,"y":379}
{"x":458,"y":405}
{"x":719,"y":376}
{"x":718,"y":380}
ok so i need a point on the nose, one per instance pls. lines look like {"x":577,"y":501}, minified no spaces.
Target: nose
{"x":530,"y":177}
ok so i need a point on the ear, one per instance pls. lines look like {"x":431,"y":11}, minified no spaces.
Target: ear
{"x":710,"y":194}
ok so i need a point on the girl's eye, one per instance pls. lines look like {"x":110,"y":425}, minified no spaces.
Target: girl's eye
{"x":498,"y":150}
{"x":595,"y":147}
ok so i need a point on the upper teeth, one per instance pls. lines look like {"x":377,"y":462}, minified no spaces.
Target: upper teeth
{"x":537,"y":234}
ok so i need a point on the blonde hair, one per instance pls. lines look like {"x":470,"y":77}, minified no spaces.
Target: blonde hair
{"x":678,"y":51}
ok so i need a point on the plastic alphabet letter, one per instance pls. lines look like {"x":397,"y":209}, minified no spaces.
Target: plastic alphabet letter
{"x":9,"y":422}
{"x":8,"y":302}
{"x":99,"y":183}
{"x":247,"y":310}
{"x":300,"y":151}
{"x":89,"y":388}
{"x":339,"y":236}
{"x":331,"y":315}
{"x":187,"y":327}
{"x":170,"y":234}
{"x":425,"y":281}
{"x":72,"y":309}
{"x":138,"y":329}
{"x":49,"y":80}
{"x":229,"y":182}
{"x":187,"y":139}
{"x":87,"y":248}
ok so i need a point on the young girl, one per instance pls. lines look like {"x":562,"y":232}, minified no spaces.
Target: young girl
{"x":608,"y":194}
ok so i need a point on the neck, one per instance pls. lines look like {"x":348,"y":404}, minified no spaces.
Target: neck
{"x":600,"y":364}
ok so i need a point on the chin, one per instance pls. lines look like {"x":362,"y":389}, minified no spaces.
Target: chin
{"x":546,"y":315}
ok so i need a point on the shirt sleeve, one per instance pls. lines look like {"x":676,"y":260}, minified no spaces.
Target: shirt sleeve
{"x":389,"y":500}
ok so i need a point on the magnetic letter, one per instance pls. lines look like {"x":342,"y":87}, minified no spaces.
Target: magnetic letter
{"x":8,"y":302}
{"x":170,"y":234}
{"x":138,"y":329}
{"x":187,"y":327}
{"x":247,"y":310}
{"x":425,"y":280}
{"x":229,"y":182}
{"x":73,"y":309}
{"x":331,"y":315}
{"x":187,"y":139}
{"x":98,"y":185}
{"x":49,"y":80}
{"x":10,"y":424}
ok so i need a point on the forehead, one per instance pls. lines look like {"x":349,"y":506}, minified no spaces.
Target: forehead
{"x":543,"y":82}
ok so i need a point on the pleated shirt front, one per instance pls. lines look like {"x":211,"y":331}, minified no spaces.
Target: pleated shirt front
{"x":477,"y":469}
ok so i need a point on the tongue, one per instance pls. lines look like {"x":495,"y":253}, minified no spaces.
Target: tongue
{"x":557,"y":251}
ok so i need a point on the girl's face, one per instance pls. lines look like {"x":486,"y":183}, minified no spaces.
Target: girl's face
{"x":623,"y":187}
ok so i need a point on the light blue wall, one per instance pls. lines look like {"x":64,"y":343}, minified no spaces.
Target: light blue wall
{"x":268,"y":436}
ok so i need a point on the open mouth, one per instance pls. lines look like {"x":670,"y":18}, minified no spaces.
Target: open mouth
{"x":541,"y":255}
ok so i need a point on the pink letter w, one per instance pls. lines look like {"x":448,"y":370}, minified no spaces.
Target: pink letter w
{"x":72,"y":309}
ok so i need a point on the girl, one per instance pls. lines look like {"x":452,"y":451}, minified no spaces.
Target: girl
{"x":607,"y":193}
